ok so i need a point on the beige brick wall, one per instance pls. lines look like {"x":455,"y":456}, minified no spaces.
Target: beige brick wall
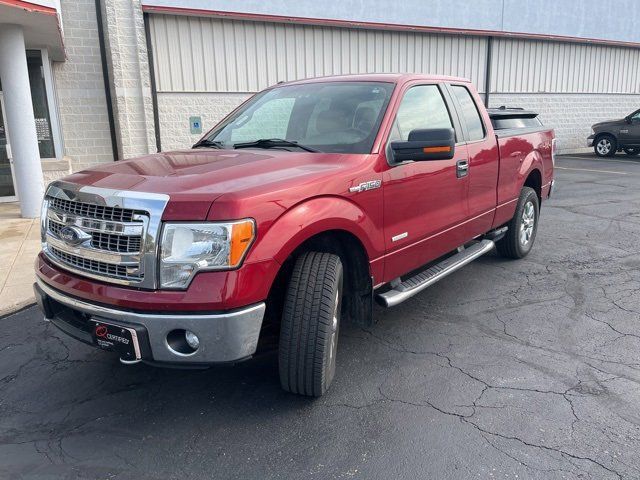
{"x":175,"y":109}
{"x":55,"y":169}
{"x":128,"y":65}
{"x":570,"y":115}
{"x":82,"y":107}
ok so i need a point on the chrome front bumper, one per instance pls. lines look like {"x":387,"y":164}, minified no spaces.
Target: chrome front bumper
{"x":224,"y":337}
{"x":590,"y":140}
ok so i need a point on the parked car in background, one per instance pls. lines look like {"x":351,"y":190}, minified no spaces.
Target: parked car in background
{"x":305,"y":204}
{"x":613,"y":136}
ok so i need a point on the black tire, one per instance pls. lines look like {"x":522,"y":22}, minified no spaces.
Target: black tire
{"x":310,"y":324}
{"x":631,"y":151}
{"x":605,"y":146}
{"x":512,"y":245}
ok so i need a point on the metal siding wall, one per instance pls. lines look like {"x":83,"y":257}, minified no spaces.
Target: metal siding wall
{"x":532,"y":66}
{"x":193,"y":54}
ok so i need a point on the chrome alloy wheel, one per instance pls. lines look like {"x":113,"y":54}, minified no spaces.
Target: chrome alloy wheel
{"x":527,"y":223}
{"x":604,"y":146}
{"x":334,"y":328}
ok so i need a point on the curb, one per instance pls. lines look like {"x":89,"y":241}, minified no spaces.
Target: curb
{"x":18,"y":307}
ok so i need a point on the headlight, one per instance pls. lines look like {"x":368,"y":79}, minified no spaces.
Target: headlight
{"x":187,"y":248}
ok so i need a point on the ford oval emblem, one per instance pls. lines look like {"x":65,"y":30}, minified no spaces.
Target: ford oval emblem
{"x":73,"y":235}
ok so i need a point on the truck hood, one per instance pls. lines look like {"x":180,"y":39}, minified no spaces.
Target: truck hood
{"x":608,"y":123}
{"x":200,"y":176}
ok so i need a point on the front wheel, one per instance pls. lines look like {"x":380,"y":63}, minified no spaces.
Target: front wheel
{"x":631,"y":151}
{"x":523,"y":226}
{"x":310,"y":324}
{"x":605,"y":146}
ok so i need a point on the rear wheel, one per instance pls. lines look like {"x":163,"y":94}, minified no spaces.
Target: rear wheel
{"x":523,"y":226}
{"x":605,"y":146}
{"x":631,"y":151}
{"x":310,"y":324}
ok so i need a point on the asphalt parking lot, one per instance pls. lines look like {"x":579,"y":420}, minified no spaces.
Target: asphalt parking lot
{"x":527,"y":369}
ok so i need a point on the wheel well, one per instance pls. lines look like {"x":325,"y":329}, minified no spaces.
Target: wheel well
{"x":358,"y":296}
{"x":534,"y":181}
{"x":605,"y":134}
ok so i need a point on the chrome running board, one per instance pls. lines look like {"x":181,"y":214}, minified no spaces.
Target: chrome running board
{"x":411,"y":286}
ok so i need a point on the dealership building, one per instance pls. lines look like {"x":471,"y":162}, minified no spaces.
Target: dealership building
{"x":84,"y":82}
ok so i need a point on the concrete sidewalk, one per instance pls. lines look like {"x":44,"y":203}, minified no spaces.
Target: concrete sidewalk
{"x":19,"y":245}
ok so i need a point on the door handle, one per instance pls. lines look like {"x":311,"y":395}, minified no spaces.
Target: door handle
{"x":462,"y":168}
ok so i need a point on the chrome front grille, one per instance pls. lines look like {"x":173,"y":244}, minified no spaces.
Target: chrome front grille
{"x":110,"y":235}
{"x":95,"y":255}
{"x":116,"y":243}
{"x":105,"y":241}
{"x":101,"y":268}
{"x":101,"y":212}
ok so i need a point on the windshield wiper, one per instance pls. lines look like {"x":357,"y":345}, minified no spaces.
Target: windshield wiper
{"x":274,"y":143}
{"x":205,"y":142}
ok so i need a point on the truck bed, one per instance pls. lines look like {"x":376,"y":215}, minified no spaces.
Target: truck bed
{"x":519,"y":149}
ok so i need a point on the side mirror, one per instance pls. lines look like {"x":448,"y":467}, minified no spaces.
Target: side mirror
{"x":426,"y":144}
{"x":628,"y":120}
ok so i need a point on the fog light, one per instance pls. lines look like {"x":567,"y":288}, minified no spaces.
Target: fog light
{"x":182,"y":342}
{"x":192,"y":339}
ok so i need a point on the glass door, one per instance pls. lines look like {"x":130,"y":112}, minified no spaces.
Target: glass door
{"x":7,"y":187}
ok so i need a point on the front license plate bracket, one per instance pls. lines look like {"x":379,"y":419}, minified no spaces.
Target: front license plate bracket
{"x":116,"y":338}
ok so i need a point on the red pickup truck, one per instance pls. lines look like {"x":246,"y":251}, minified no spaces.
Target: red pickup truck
{"x":306,"y":203}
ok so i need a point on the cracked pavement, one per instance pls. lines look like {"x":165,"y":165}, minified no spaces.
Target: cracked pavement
{"x":510,"y":369}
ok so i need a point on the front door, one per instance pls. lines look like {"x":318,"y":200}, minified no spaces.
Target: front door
{"x":630,"y":133}
{"x":7,"y":187}
{"x":425,"y":202}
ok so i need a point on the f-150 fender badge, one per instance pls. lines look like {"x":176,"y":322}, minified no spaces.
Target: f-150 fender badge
{"x":370,"y":185}
{"x":402,"y":235}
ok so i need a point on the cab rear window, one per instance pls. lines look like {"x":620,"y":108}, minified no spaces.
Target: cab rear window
{"x":507,"y":123}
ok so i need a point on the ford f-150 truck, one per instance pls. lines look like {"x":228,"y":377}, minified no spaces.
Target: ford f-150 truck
{"x":304,"y":205}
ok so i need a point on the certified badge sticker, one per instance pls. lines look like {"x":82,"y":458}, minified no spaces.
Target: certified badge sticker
{"x":106,"y":338}
{"x":101,"y":331}
{"x":116,"y":338}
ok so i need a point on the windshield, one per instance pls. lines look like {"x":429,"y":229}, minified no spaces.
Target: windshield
{"x":341,"y":117}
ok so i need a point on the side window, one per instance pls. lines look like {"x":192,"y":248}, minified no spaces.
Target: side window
{"x":469,"y":112}
{"x":421,"y":107}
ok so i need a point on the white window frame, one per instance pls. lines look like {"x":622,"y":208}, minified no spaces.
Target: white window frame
{"x":10,"y":198}
{"x":52,"y":105}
